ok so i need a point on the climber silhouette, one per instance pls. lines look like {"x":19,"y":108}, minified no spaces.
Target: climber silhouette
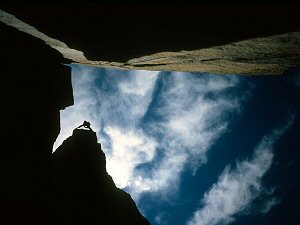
{"x":85,"y":124}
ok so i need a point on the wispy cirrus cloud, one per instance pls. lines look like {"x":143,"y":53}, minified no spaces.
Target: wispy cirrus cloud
{"x":163,"y":218}
{"x":268,"y":205}
{"x":190,"y":114}
{"x":152,"y":125}
{"x":129,"y":148}
{"x":238,"y":187}
{"x":114,"y":103}
{"x":106,"y":98}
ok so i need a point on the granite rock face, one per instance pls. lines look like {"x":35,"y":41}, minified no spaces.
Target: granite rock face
{"x":268,"y":55}
{"x":222,"y":38}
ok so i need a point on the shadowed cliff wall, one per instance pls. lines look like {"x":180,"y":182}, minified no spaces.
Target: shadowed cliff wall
{"x":85,"y":192}
{"x":36,"y":85}
{"x":249,"y":38}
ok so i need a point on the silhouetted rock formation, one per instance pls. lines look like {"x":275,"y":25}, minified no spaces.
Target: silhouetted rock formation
{"x":36,"y":85}
{"x":83,"y":191}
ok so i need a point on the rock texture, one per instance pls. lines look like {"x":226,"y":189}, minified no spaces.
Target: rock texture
{"x":83,"y":191}
{"x":68,"y":53}
{"x":268,"y":55}
{"x":221,"y":38}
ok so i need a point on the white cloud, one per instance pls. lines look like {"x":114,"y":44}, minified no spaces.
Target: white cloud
{"x":138,"y":84}
{"x":129,"y":149}
{"x":103,"y":107}
{"x":191,"y":112}
{"x":163,"y":218}
{"x":268,"y":205}
{"x":190,"y":125}
{"x":84,"y":105}
{"x":236,"y":188}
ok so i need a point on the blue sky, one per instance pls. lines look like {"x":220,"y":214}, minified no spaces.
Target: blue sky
{"x":192,"y":148}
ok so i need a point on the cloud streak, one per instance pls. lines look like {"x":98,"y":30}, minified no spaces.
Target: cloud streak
{"x":238,"y":187}
{"x":152,"y":125}
{"x":188,"y":121}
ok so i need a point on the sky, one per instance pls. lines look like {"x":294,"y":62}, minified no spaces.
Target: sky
{"x":196,"y":148}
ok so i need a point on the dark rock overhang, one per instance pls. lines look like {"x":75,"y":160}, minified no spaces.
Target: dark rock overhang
{"x":224,"y":38}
